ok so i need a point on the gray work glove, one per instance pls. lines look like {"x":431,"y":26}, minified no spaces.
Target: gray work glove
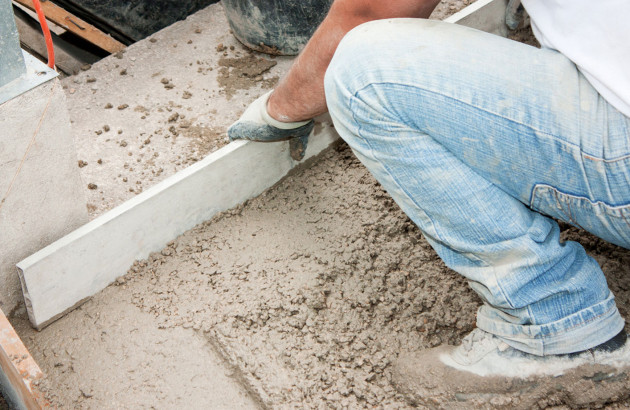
{"x":514,"y":14}
{"x":257,"y":125}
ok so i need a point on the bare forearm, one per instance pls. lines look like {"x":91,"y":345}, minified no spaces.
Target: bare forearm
{"x":300,"y":94}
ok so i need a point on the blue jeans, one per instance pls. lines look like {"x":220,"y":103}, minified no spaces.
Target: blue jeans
{"x":477,"y":138}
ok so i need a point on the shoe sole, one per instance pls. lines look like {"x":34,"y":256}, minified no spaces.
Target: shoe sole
{"x":425,"y":381}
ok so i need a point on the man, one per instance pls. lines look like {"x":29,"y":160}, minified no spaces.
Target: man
{"x":479,"y":140}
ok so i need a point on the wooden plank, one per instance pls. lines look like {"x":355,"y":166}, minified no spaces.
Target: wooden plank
{"x":77,"y":26}
{"x":64,"y":274}
{"x":20,"y":370}
{"x":32,"y":41}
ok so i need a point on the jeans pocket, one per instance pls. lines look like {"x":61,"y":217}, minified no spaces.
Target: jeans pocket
{"x":611,"y":223}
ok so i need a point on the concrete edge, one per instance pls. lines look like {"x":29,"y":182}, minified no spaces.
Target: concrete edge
{"x":64,"y":274}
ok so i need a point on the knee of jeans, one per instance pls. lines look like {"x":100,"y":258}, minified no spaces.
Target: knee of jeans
{"x":369,"y":50}
{"x":341,"y":78}
{"x":334,"y":85}
{"x":359,"y":45}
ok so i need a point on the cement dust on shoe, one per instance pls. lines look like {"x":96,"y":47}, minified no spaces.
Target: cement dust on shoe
{"x":511,"y":379}
{"x":483,"y":354}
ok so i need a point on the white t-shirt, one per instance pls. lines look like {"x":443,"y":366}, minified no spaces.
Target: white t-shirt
{"x":595,"y":35}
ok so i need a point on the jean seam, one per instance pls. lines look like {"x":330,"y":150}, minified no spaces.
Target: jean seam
{"x":585,"y":322}
{"x":608,"y":161}
{"x":619,"y":208}
{"x":564,"y":330}
{"x":389,"y":173}
{"x":503,"y":293}
{"x":508,"y":301}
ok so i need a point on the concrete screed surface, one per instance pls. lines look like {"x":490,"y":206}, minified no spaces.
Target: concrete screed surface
{"x":310,"y":291}
{"x":304,"y":295}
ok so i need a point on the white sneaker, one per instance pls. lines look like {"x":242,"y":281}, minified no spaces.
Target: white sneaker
{"x":486,"y":372}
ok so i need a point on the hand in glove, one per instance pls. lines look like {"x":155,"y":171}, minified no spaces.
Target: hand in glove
{"x":514,"y":14}
{"x":257,"y":125}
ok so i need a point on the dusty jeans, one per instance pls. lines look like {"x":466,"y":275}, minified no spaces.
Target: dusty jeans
{"x":476,"y":137}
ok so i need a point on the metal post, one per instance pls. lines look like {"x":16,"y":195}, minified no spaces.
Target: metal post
{"x":19,"y":71}
{"x":12,"y":63}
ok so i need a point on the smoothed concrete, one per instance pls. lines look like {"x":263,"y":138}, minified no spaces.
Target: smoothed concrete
{"x":46,"y":200}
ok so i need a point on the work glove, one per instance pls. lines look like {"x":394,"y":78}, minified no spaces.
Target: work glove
{"x":257,"y":125}
{"x":514,"y":14}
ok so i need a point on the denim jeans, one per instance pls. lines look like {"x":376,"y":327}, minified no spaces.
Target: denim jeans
{"x":478,"y":138}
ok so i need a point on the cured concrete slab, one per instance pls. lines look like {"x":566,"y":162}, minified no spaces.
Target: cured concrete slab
{"x":140,"y":116}
{"x":41,"y":195}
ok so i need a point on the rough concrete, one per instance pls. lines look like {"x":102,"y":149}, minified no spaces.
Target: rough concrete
{"x":447,"y":8}
{"x":46,"y":200}
{"x":311,"y":291}
{"x":482,"y":15}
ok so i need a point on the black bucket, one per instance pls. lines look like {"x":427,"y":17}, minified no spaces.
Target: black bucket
{"x":281,"y":27}
{"x":132,"y":20}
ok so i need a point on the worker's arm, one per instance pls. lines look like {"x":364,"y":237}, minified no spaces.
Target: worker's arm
{"x":300,"y":94}
{"x":287,"y":113}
